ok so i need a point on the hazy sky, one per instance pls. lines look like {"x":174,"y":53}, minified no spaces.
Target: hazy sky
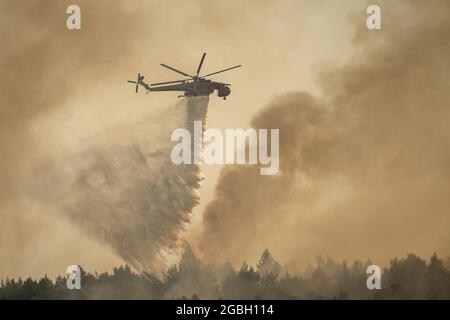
{"x":61,"y":88}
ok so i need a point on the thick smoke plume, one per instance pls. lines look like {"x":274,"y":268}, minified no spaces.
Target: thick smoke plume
{"x":365,"y":170}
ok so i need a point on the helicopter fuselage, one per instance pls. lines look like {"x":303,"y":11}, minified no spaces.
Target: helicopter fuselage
{"x":196,"y":88}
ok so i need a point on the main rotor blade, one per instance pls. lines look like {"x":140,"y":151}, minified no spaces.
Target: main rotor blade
{"x":168,"y":82}
{"x":222,"y":71}
{"x":178,"y":71}
{"x":201,"y":63}
{"x":131,"y":81}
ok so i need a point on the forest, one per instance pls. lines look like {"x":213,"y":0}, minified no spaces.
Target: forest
{"x":406,"y":278}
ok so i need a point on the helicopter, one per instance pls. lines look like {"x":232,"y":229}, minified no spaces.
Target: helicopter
{"x":193,"y":86}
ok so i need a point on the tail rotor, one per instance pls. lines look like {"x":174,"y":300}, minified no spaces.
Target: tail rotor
{"x":137,"y":82}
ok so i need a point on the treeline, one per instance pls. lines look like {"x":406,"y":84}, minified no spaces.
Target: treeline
{"x":407,"y":278}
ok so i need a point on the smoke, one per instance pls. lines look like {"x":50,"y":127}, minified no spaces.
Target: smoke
{"x":364,"y":169}
{"x":58,"y":87}
{"x":42,"y":66}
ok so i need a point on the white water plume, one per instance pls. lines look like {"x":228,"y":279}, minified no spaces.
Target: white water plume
{"x":123,"y":190}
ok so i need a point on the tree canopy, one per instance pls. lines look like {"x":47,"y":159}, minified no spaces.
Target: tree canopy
{"x":406,"y":278}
